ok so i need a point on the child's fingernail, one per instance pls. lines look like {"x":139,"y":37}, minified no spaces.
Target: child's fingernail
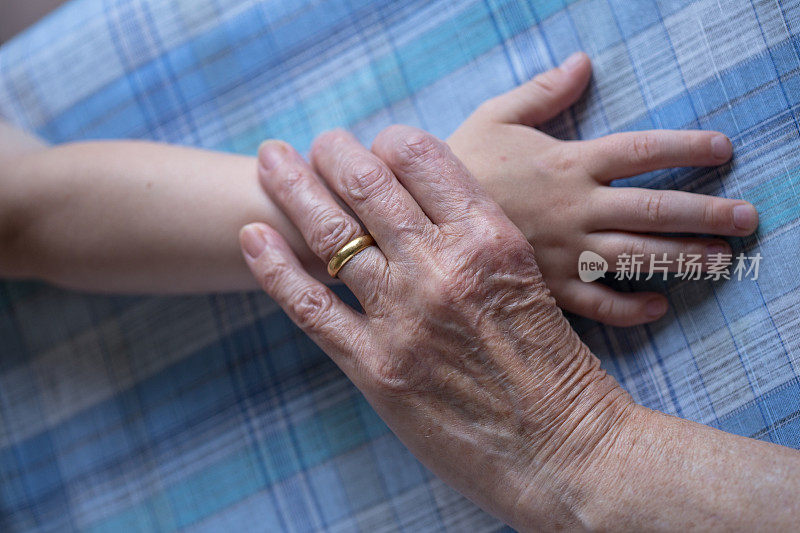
{"x":721,"y":147}
{"x":656,"y":307}
{"x":573,"y":61}
{"x":271,"y":153}
{"x":253,"y":241}
{"x":745,"y":217}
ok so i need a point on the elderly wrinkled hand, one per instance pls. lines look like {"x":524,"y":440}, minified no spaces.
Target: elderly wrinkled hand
{"x":460,"y":347}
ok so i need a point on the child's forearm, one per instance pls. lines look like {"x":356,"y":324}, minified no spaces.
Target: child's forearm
{"x":129,"y":216}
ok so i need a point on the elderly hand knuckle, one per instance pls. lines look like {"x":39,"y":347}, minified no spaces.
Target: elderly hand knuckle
{"x":365,"y":179}
{"x":391,"y":376}
{"x":453,"y":285}
{"x":312,"y":307}
{"x":331,"y":231}
{"x":275,"y":274}
{"x":417,"y":146}
{"x":291,"y":181}
{"x":494,"y":248}
{"x":500,"y":239}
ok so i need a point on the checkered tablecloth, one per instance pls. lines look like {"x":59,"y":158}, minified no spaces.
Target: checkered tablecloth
{"x":215,"y":413}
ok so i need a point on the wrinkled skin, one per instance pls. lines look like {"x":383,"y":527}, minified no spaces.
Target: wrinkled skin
{"x":463,"y":352}
{"x":461,"y":349}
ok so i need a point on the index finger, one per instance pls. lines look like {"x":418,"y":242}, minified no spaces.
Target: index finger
{"x":368,"y":186}
{"x":324,"y":224}
{"x":330,"y":322}
{"x":429,"y":170}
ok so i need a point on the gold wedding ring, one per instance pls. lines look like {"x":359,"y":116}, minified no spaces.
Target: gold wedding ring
{"x":347,"y":252}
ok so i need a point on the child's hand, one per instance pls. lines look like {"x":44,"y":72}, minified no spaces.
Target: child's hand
{"x":557,"y":192}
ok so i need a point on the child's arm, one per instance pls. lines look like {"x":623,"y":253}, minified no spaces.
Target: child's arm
{"x":129,"y":216}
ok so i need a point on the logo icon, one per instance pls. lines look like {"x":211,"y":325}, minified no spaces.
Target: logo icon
{"x":591,"y":266}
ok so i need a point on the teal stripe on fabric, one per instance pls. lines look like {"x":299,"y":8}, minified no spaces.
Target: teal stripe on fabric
{"x":201,"y":67}
{"x":148,"y":445}
{"x":416,"y":65}
{"x":398,"y":74}
{"x":235,"y":477}
{"x":777,"y":201}
{"x":395,"y":76}
{"x":96,"y":434}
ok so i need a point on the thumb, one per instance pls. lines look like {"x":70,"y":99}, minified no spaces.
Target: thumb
{"x":545,"y":96}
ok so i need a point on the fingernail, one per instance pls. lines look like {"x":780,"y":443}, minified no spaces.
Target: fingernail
{"x":745,"y":217}
{"x":271,"y":154}
{"x":656,"y":307}
{"x":721,"y":147}
{"x":253,"y":241}
{"x":716,"y":249}
{"x":572,"y":62}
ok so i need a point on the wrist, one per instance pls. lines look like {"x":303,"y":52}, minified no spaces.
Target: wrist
{"x":586,"y":414}
{"x":572,"y":490}
{"x":606,"y":481}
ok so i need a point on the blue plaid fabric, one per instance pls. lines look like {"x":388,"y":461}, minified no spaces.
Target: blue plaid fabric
{"x":215,"y":413}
